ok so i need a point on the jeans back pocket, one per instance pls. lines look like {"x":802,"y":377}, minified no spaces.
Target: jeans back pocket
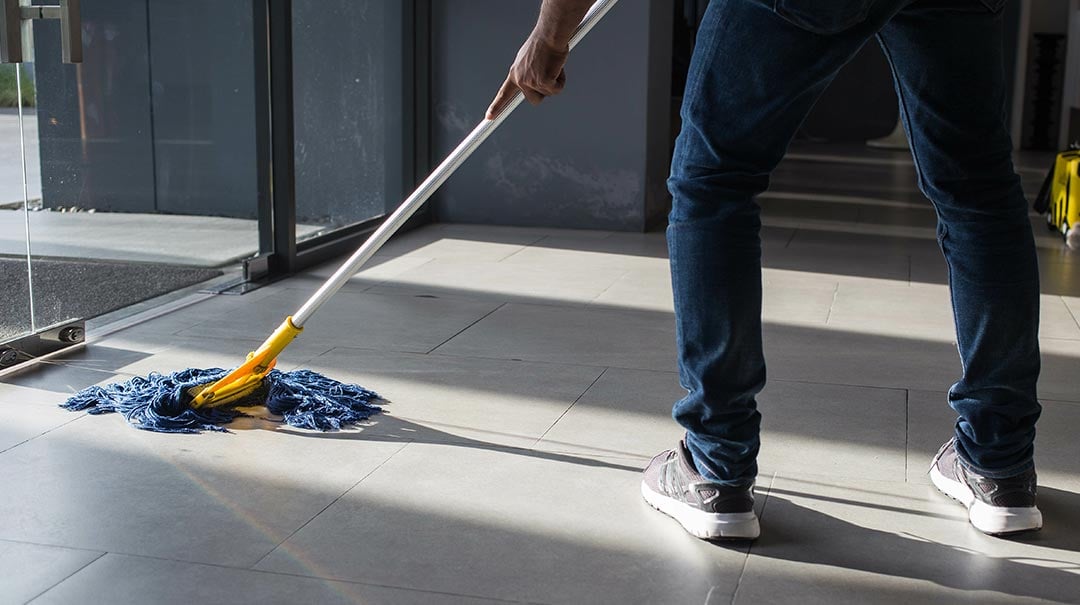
{"x":823,"y":16}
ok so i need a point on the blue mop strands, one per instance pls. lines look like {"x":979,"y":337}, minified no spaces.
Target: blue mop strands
{"x":160,"y":402}
{"x":309,"y":400}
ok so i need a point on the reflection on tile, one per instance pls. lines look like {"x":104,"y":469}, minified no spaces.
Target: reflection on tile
{"x":128,"y":580}
{"x":835,"y":541}
{"x":31,"y":569}
{"x":511,"y":527}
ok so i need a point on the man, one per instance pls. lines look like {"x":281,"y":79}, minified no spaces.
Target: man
{"x":758,"y":67}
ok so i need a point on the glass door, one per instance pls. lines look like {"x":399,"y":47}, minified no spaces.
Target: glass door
{"x":20,"y":182}
{"x":142,"y":171}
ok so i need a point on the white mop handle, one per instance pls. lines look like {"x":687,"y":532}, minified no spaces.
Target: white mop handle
{"x":430,"y":185}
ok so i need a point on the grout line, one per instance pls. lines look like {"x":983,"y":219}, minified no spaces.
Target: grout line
{"x":524,"y":247}
{"x":832,"y":303}
{"x":590,"y":304}
{"x":794,"y":232}
{"x":907,"y":430}
{"x":59,"y":426}
{"x":746,"y":559}
{"x":333,"y":502}
{"x":69,"y":576}
{"x":1070,"y":311}
{"x":567,"y":410}
{"x":459,"y":332}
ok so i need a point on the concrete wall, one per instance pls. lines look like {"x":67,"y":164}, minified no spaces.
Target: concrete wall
{"x":595,"y":157}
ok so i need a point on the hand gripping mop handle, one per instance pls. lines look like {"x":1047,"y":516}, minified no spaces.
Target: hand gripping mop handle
{"x":429,"y":186}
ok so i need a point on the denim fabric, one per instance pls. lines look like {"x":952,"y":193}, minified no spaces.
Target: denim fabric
{"x":758,"y":67}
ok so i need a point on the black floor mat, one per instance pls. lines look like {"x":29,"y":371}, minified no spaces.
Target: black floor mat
{"x":75,"y":289}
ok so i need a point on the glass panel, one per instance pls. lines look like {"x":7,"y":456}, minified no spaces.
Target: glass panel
{"x":147,"y":154}
{"x":19,"y":179}
{"x":348,"y":94}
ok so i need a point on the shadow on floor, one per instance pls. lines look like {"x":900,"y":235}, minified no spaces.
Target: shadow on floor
{"x":386,"y":427}
{"x":794,"y":532}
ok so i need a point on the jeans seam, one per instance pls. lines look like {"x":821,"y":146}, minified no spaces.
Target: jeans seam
{"x":906,"y":114}
{"x":691,"y":95}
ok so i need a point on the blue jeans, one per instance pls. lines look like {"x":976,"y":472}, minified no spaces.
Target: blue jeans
{"x":757,"y":70}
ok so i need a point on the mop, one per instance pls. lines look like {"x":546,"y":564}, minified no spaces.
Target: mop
{"x":193,"y":400}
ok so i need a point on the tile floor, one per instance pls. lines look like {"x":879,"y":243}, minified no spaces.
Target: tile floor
{"x":530,"y":374}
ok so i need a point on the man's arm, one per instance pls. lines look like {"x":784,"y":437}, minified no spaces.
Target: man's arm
{"x":538,"y":69}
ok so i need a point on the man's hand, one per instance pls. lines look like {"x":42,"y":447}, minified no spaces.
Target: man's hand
{"x":538,"y":69}
{"x":537,"y":72}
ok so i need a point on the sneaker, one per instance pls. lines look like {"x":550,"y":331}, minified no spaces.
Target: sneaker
{"x":707,"y":510}
{"x":995,"y":506}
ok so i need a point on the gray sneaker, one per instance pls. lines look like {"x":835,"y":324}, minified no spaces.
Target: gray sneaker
{"x":995,"y":506}
{"x":707,"y":510}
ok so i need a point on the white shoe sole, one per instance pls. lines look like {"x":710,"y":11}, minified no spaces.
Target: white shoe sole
{"x":707,"y":526}
{"x":993,"y":520}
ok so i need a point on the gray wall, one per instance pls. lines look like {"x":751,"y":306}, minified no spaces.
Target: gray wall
{"x":593,"y":157}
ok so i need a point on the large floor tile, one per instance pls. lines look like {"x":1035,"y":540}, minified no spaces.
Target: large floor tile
{"x":378,"y":269}
{"x":882,"y":542}
{"x":625,"y":413}
{"x":128,"y":580}
{"x":600,"y":337}
{"x":836,"y":356}
{"x":895,"y":310}
{"x":31,"y":569}
{"x":58,"y":379}
{"x":462,"y":242}
{"x":806,"y":428}
{"x":26,"y":413}
{"x":860,"y":243}
{"x":476,"y":402}
{"x":619,"y":251}
{"x":863,"y":356}
{"x":217,"y":498}
{"x":1057,"y":451}
{"x":503,"y":281}
{"x":401,"y":323}
{"x":448,"y":519}
{"x":643,"y":289}
{"x":841,"y":265}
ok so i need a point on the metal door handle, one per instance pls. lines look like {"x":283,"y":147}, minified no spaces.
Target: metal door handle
{"x":12,"y":16}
